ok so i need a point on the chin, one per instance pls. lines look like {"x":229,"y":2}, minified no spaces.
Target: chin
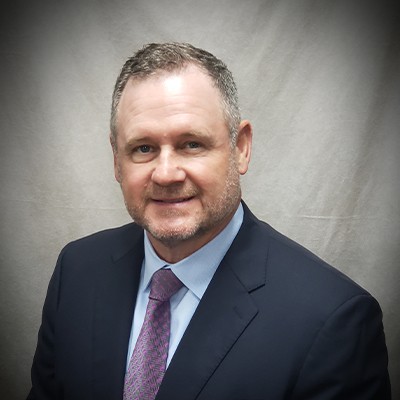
{"x":170,"y":235}
{"x":173,"y":234}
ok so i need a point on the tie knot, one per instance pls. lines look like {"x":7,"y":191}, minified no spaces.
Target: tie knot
{"x":164,"y":284}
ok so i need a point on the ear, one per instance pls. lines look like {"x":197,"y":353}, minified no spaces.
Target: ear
{"x":117,"y":172}
{"x":243,"y":146}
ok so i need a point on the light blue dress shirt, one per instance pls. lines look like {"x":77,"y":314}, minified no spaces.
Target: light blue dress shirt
{"x":195,"y":272}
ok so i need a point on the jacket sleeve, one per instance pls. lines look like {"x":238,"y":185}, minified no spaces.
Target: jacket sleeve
{"x":348,"y":359}
{"x":43,"y":367}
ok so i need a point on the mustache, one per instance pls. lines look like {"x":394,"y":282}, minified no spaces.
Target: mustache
{"x":172,"y":191}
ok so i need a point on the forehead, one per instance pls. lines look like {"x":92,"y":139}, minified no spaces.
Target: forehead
{"x":186,"y":90}
{"x":190,"y":80}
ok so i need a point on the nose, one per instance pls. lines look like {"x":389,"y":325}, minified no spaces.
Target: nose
{"x":168,"y":169}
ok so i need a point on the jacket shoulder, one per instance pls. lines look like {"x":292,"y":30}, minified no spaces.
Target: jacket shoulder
{"x":109,"y":238}
{"x":109,"y":244}
{"x":296,"y":270}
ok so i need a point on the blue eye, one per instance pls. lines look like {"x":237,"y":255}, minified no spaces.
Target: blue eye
{"x":193,"y":145}
{"x":144,"y":148}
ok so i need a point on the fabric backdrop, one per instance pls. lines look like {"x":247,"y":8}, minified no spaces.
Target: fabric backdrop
{"x":320,"y":80}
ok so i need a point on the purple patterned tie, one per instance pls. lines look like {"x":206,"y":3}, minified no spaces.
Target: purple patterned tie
{"x":147,"y":365}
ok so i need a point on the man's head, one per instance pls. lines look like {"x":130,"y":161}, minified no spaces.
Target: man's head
{"x":175,"y":159}
{"x":157,"y":58}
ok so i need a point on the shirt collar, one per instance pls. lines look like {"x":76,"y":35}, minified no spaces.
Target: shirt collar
{"x":196,"y":270}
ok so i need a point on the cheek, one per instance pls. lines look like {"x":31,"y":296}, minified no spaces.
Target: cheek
{"x":208,"y":174}
{"x":134,"y":181}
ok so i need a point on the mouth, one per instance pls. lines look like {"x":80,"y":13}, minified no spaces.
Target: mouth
{"x":173,"y":200}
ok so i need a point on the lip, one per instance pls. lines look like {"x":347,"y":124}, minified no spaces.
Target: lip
{"x":173,"y":201}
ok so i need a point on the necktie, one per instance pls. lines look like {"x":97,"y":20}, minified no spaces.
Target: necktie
{"x":147,"y":364}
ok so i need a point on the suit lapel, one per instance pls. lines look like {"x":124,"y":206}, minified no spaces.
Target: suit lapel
{"x":224,"y":312}
{"x":114,"y":303}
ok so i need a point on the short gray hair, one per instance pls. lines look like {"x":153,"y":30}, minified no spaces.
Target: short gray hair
{"x":154,"y":58}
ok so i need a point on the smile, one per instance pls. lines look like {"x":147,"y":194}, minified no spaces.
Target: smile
{"x":173,"y":201}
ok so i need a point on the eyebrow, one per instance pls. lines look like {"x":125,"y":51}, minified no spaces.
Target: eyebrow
{"x":197,"y":134}
{"x":134,"y":141}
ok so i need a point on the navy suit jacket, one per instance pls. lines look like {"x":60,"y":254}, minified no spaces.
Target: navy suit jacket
{"x":275,"y":323}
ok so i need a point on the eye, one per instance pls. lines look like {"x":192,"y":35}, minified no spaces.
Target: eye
{"x":193,"y":145}
{"x":142,"y":153}
{"x":145,"y":148}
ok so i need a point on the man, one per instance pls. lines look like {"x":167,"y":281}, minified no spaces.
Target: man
{"x":252,"y":315}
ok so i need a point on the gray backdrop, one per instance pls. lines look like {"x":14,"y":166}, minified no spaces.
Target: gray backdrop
{"x":320,"y":80}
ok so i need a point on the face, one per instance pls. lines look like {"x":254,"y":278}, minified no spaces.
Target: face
{"x":179,"y":173}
